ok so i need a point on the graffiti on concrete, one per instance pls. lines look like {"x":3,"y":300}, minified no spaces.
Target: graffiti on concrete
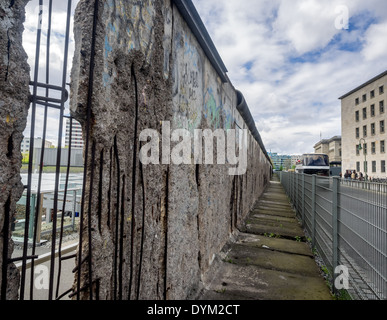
{"x":216,"y":113}
{"x":129,"y":26}
{"x":189,"y":91}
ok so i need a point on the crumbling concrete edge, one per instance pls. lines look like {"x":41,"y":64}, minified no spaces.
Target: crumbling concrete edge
{"x":14,"y":103}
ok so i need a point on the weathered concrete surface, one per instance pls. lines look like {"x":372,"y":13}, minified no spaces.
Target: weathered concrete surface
{"x":128,"y":202}
{"x":155,"y":228}
{"x":14,"y":102}
{"x":258,"y":267}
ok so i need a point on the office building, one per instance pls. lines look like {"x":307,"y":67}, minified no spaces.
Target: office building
{"x":364,"y":122}
{"x":281,"y":161}
{"x":331,"y":147}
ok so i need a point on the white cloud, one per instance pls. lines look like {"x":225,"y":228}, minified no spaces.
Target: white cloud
{"x":286,"y":56}
{"x":308,"y":24}
{"x":300,"y":63}
{"x":57,"y":46}
{"x":376,"y":42}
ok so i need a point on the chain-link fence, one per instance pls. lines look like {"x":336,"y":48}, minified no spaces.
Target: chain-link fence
{"x":347,"y":224}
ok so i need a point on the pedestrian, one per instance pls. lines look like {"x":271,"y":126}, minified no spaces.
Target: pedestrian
{"x":353,"y":175}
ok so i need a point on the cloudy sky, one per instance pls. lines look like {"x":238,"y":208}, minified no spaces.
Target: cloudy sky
{"x":56,"y":63}
{"x":292,"y":59}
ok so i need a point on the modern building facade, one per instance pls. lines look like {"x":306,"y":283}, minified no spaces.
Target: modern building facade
{"x":364,"y":122}
{"x":76,"y":135}
{"x":280,"y":161}
{"x":332,"y":147}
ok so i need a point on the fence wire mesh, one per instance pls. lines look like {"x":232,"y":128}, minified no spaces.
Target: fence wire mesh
{"x":347,"y":224}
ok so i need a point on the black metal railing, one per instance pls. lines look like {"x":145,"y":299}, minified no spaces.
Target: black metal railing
{"x":44,"y":94}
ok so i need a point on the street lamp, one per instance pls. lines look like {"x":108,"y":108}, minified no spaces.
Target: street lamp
{"x":365,"y":157}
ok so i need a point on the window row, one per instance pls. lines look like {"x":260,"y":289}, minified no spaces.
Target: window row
{"x":382,"y":129}
{"x":372,"y":95}
{"x":374,"y":166}
{"x":364,"y":147}
{"x":382,"y":110}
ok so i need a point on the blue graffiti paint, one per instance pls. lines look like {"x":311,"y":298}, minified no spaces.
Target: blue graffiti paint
{"x":213,"y":111}
{"x":112,"y":27}
{"x":106,"y":79}
{"x":108,"y":47}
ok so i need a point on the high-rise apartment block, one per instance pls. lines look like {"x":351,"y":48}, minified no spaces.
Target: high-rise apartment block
{"x":76,"y":135}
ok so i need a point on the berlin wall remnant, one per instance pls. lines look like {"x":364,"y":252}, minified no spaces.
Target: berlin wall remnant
{"x":14,"y":102}
{"x":152,"y":231}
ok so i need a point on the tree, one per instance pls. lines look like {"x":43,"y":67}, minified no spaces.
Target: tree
{"x":26,"y":157}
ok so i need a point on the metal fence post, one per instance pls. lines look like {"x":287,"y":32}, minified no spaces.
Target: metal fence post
{"x":335,"y":229}
{"x":74,"y":209}
{"x":39,"y":217}
{"x":296,"y":193}
{"x":292,"y":175}
{"x":32,"y":216}
{"x":286,"y":176}
{"x":313,"y":210}
{"x":303,"y":200}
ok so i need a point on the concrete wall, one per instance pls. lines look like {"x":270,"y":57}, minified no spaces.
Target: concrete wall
{"x":155,"y":228}
{"x":14,"y":92}
{"x":51,"y":154}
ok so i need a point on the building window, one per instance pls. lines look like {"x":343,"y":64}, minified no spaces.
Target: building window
{"x":382,"y":129}
{"x":381,"y":106}
{"x":365,"y":149}
{"x":373,"y":166}
{"x":358,"y":166}
{"x":364,"y":97}
{"x":358,"y":150}
{"x":357,"y":116}
{"x":364,"y":113}
{"x":373,"y":110}
{"x":372,"y":94}
{"x":357,"y":101}
{"x":381,"y":90}
{"x":365,"y":131}
{"x":383,"y":166}
{"x":373,"y":130}
{"x":382,"y":146}
{"x":357,"y":133}
{"x":373,"y":147}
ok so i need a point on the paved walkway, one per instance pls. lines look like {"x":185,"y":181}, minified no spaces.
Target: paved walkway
{"x":270,"y":259}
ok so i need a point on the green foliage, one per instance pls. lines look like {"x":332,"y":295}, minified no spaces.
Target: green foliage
{"x":272,"y":235}
{"x":25,"y":157}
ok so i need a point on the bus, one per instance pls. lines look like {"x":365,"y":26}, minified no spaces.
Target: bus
{"x":314,"y":163}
